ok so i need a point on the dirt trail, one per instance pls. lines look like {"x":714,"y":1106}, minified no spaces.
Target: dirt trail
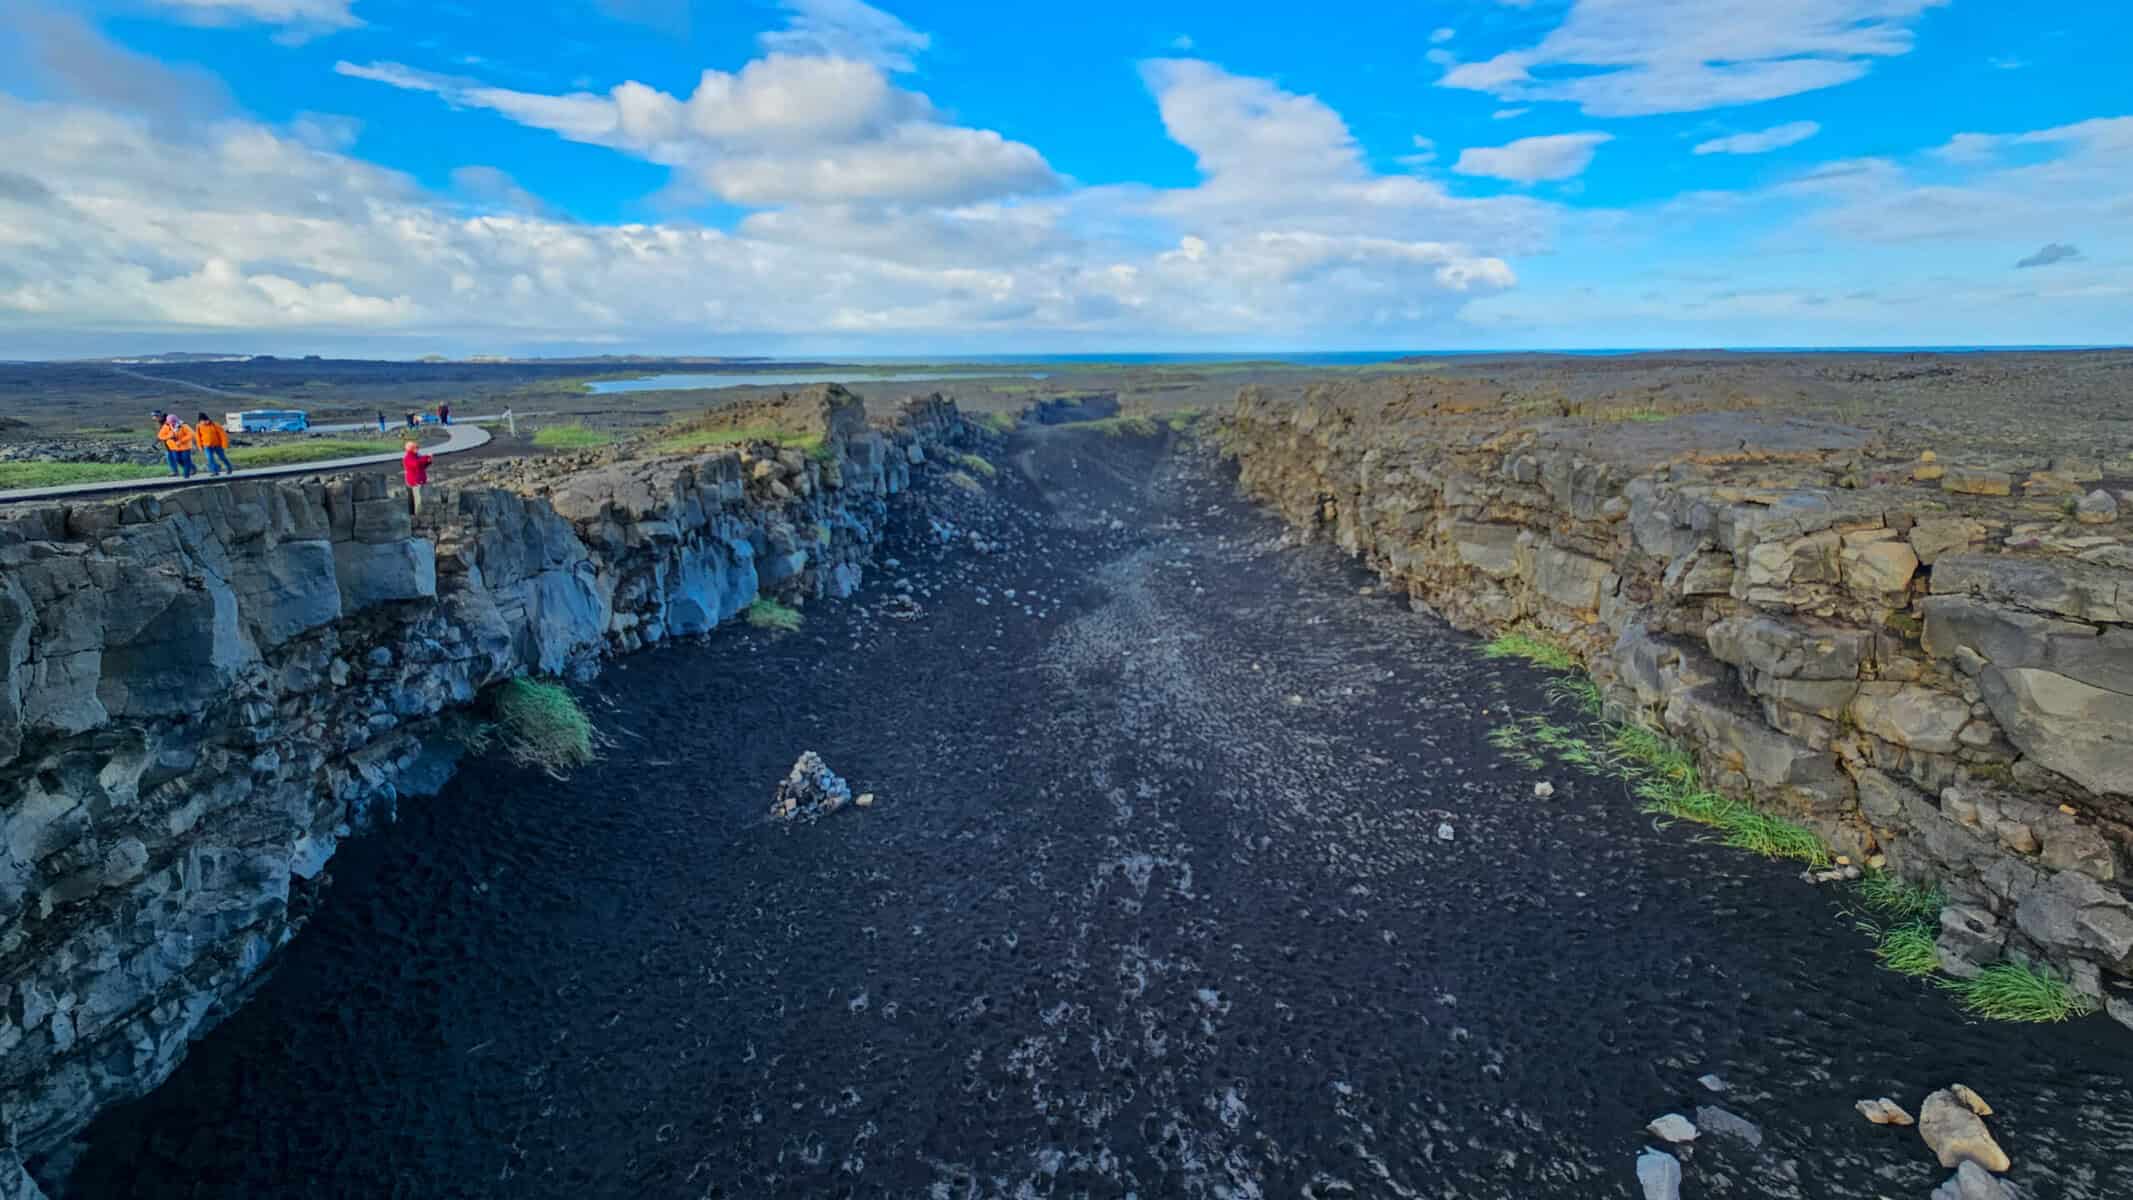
{"x":1154,"y":902}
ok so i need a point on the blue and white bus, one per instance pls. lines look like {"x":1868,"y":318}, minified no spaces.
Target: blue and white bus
{"x":269,"y":420}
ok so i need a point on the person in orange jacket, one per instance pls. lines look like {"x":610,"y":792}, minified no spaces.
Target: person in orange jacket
{"x":415,"y":468}
{"x":178,"y":442}
{"x":216,"y":441}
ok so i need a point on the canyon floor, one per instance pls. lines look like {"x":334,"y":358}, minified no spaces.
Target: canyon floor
{"x":1154,"y":901}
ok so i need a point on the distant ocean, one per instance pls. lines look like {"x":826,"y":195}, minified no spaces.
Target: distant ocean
{"x":1335,"y":358}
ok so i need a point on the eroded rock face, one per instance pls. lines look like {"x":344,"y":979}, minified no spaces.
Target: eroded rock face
{"x":201,"y":693}
{"x":1919,"y":669}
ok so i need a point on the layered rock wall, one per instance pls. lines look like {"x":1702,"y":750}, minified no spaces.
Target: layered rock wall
{"x":202,"y":691}
{"x":1907,"y":668}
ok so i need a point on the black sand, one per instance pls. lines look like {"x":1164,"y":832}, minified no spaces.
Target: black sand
{"x":1153,"y":903}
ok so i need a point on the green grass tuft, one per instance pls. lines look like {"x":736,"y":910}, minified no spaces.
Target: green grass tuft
{"x":2012,"y":991}
{"x":965,"y":481}
{"x":767,"y":613}
{"x":539,"y":724}
{"x":303,"y":450}
{"x":1532,"y":649}
{"x":999,"y":422}
{"x":1663,"y":776}
{"x":978,"y":465}
{"x":1908,"y":949}
{"x":1890,"y":896}
{"x":574,"y":436}
{"x":1578,"y":691}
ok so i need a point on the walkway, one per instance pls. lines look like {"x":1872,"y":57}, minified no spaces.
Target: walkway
{"x":464,"y":436}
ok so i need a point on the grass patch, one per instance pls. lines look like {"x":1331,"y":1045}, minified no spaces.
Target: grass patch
{"x":1137,"y":425}
{"x":1578,"y":691}
{"x":966,"y":481}
{"x":574,"y":436}
{"x":1908,"y":949}
{"x":999,"y":422}
{"x":1539,"y":652}
{"x":1663,"y":776}
{"x":2018,"y":992}
{"x":977,"y":464}
{"x":68,"y":474}
{"x":286,"y":454}
{"x":696,"y":441}
{"x":1900,"y":900}
{"x":539,"y":724}
{"x":767,"y":613}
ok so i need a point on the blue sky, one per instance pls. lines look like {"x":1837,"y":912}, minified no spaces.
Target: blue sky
{"x":830,"y":177}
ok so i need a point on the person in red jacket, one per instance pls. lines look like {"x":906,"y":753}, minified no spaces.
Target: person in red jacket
{"x":415,"y":467}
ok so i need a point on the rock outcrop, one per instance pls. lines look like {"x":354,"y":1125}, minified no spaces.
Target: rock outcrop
{"x":201,"y":692}
{"x":1941,"y":675}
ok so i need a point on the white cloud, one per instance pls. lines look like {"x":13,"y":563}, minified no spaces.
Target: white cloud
{"x":240,"y":227}
{"x":1533,"y":159}
{"x":307,"y":15}
{"x":1442,"y":33}
{"x":493,"y":189}
{"x":846,"y":29}
{"x":782,"y":130}
{"x":1182,"y":43}
{"x":1505,"y":114}
{"x":1776,"y":137}
{"x":1424,"y":153}
{"x":1637,"y":57}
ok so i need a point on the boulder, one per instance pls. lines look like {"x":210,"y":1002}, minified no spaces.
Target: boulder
{"x":1571,"y":580}
{"x":2097,"y":508}
{"x":1973,"y":1182}
{"x":2073,"y":912}
{"x":1712,"y":1119}
{"x":1673,"y":1127}
{"x":1659,"y":1174}
{"x":2079,"y":730}
{"x":2055,"y":586}
{"x":1956,"y":1135}
{"x":1976,"y":481}
{"x":1878,"y":567}
{"x":1910,"y":715}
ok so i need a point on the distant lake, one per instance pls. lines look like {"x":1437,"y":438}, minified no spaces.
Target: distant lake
{"x":673,"y":383}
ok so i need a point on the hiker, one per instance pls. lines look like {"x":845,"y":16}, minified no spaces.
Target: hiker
{"x":410,"y":418}
{"x":215,"y":440}
{"x":381,"y":420}
{"x":170,"y":456}
{"x":178,"y":442}
{"x":444,"y":414}
{"x":415,"y":467}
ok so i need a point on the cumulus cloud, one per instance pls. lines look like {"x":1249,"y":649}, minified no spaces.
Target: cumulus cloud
{"x":2051,"y":252}
{"x":1534,"y":159}
{"x":1637,"y":57}
{"x":107,"y":224}
{"x":782,"y":130}
{"x":66,"y":58}
{"x":1777,"y":137}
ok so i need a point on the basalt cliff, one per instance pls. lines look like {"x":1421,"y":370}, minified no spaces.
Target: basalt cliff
{"x":1922,"y":656}
{"x":203,"y":691}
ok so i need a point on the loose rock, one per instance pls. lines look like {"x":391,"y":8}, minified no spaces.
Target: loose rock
{"x":1956,"y":1135}
{"x":1543,"y":790}
{"x":1712,"y":1119}
{"x":1673,"y":1127}
{"x":2097,"y":508}
{"x":1444,"y":832}
{"x":1973,"y":1182}
{"x":1712,"y":1083}
{"x":1660,"y":1175}
{"x":1883,"y":1112}
{"x":810,"y":790}
{"x":1971,"y":1100}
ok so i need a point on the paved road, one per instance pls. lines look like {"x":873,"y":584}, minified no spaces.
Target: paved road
{"x":464,"y":436}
